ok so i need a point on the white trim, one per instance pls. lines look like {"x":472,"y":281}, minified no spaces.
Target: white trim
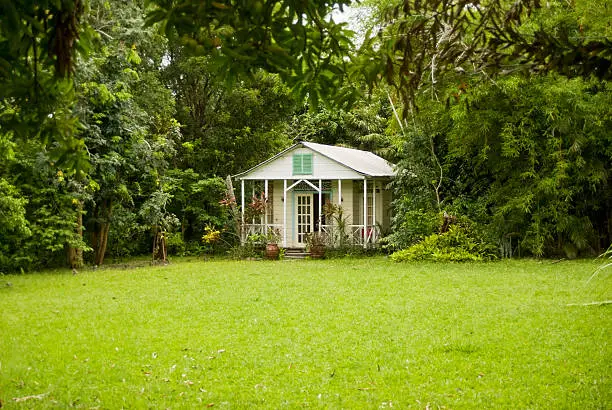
{"x":373,"y":209}
{"x":253,"y":196}
{"x":339,"y":192}
{"x":365,"y":213}
{"x":242,"y":210}
{"x":320,"y":199}
{"x":266,"y":207}
{"x":306,"y":202}
{"x":284,"y":213}
{"x":303,"y":180}
{"x":320,"y":149}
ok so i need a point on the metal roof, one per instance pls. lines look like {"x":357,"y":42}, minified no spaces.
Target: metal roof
{"x":363,"y":162}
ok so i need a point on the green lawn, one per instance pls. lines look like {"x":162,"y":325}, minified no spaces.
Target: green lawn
{"x":353,"y":334}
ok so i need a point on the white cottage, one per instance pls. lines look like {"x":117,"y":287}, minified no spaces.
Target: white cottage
{"x":300,"y":180}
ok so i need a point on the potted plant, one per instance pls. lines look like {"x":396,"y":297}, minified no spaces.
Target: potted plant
{"x":272,"y":249}
{"x":315,"y":244}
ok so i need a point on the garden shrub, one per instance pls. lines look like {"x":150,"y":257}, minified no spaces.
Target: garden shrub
{"x":412,"y":227}
{"x":455,"y":245}
{"x":175,"y":244}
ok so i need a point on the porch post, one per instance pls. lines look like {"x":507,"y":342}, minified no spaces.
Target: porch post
{"x":266,"y":207}
{"x":242,"y":211}
{"x":284,"y":213}
{"x":253,"y":196}
{"x":320,"y":196}
{"x":339,"y":192}
{"x":365,"y":213}
{"x":374,"y":211}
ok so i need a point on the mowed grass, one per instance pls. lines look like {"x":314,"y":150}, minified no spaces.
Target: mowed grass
{"x":352,"y":334}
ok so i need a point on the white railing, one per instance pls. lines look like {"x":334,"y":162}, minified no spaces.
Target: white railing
{"x":262,"y":229}
{"x":352,"y":235}
{"x":362,"y":236}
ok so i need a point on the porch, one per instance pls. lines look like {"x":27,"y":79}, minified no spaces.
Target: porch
{"x":343,"y":212}
{"x":353,"y":235}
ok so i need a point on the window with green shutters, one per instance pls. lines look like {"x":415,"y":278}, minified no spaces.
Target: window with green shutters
{"x":302,"y":164}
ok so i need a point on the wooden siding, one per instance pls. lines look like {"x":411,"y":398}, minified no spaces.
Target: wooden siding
{"x":322,"y":168}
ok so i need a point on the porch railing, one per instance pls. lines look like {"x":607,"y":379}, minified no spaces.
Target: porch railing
{"x":352,"y":235}
{"x":262,"y":229}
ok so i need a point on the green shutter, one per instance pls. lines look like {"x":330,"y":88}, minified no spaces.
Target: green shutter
{"x":297,"y":164}
{"x":302,"y":164}
{"x":307,"y":164}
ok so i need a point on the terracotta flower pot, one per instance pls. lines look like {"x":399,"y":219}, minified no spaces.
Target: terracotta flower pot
{"x":317,"y":251}
{"x":272,"y":251}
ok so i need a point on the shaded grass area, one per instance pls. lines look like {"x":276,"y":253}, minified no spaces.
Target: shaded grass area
{"x":361,"y":333}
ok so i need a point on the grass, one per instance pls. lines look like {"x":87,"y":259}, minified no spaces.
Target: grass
{"x":353,"y":334}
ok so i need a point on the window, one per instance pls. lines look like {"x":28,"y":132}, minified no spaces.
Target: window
{"x":302,"y":164}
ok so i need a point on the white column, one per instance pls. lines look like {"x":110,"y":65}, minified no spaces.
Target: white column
{"x":365,"y":213}
{"x":284,"y":213}
{"x":374,"y":211}
{"x":252,"y":196}
{"x":320,"y":198}
{"x":339,"y":192}
{"x":242,"y":210}
{"x":267,"y":204}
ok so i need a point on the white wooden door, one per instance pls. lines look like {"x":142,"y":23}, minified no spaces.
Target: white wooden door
{"x":304,"y":215}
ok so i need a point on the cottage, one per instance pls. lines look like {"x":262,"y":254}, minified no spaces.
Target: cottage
{"x":300,"y":183}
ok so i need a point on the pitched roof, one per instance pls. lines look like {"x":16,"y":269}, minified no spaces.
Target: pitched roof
{"x":362,"y":162}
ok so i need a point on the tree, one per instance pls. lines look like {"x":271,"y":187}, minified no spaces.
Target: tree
{"x":225,"y":130}
{"x":526,"y":159}
{"x":38,"y":47}
{"x":127,"y":115}
{"x":295,"y":39}
{"x":13,"y":225}
{"x":418,"y":42}
{"x":363,"y":126}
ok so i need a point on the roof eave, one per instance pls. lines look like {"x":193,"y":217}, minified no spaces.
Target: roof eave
{"x":261,"y":164}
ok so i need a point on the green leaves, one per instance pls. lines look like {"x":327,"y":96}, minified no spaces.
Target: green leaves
{"x":525,"y":159}
{"x":290,"y":38}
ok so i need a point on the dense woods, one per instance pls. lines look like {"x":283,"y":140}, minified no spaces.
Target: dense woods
{"x":120,"y":121}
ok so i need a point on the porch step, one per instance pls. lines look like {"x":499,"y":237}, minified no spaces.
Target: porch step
{"x":295,"y":253}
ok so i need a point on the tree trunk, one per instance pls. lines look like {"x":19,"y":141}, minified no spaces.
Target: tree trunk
{"x":102,"y":214}
{"x":75,"y":254}
{"x":160,"y":253}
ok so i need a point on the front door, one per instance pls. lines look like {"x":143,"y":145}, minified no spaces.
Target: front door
{"x":305,"y":218}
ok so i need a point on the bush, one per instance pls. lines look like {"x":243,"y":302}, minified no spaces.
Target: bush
{"x":349,"y":251}
{"x":456,"y":245}
{"x":414,"y":226}
{"x":246,"y":251}
{"x":175,"y":244}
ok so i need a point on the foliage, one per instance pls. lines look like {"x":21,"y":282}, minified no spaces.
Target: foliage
{"x":225,"y":131}
{"x":455,"y":245}
{"x":248,"y":250}
{"x":412,"y":226}
{"x":337,"y":237}
{"x":418,"y":42}
{"x":13,"y":225}
{"x":211,"y":235}
{"x":526,"y":159}
{"x":363,"y":126}
{"x":128,"y":236}
{"x":39,"y":43}
{"x":294,"y":39}
{"x":315,"y":239}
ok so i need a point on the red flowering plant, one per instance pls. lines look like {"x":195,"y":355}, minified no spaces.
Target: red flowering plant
{"x":256,"y":207}
{"x":228,"y":201}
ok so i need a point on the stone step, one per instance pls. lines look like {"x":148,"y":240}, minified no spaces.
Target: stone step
{"x":296,"y":253}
